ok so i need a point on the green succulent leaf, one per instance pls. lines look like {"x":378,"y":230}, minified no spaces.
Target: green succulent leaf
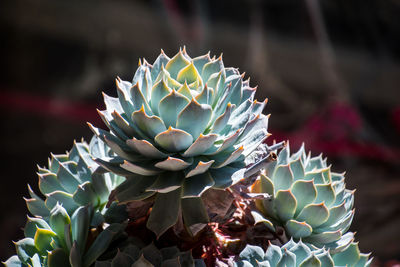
{"x":13,"y":261}
{"x":75,"y":257}
{"x":165,"y":211}
{"x":26,"y":249}
{"x":174,"y":140}
{"x":34,"y":223}
{"x":285,"y":203}
{"x":194,"y":214}
{"x":196,"y":185}
{"x":298,"y":229}
{"x":167,"y":182}
{"x":151,"y":125}
{"x":58,"y":258}
{"x":80,"y":222}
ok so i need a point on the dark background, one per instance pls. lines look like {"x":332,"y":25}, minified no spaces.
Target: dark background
{"x":329,"y":68}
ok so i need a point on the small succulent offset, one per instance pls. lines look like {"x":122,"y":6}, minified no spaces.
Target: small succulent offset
{"x":302,"y":255}
{"x":183,"y":177}
{"x":75,"y":197}
{"x":74,"y":180}
{"x":307,"y":199}
{"x":182,"y":125}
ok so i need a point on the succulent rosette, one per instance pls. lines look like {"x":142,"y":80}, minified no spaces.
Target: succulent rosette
{"x":306,"y":198}
{"x":182,"y":125}
{"x":74,"y":179}
{"x":299,"y":254}
{"x":76,"y":192}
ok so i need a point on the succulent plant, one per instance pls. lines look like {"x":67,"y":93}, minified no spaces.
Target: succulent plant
{"x":182,"y":125}
{"x":299,"y":254}
{"x":151,"y":256}
{"x":72,"y":212}
{"x":74,"y":180}
{"x":306,"y":198}
{"x":185,"y":151}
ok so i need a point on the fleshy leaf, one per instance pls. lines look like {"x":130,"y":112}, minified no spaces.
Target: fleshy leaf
{"x":314,"y":214}
{"x":145,"y":148}
{"x":63,"y":198}
{"x":200,"y":113}
{"x":43,"y":238}
{"x":205,"y":96}
{"x":283,"y":177}
{"x":200,"y":168}
{"x":138,"y":99}
{"x":165,"y":212}
{"x":134,"y":188}
{"x":32,"y":224}
{"x":174,"y":140}
{"x":173,"y":164}
{"x":335,"y":214}
{"x":142,"y":78}
{"x":312,"y":261}
{"x":227,"y":176}
{"x":85,"y":195}
{"x":228,"y":158}
{"x":170,"y":107}
{"x":178,"y":62}
{"x":161,"y":60}
{"x":349,"y":257}
{"x":222,"y":120}
{"x":167,"y":181}
{"x":158,"y":92}
{"x":58,"y":258}
{"x":151,"y":125}
{"x":285,"y":204}
{"x":194,"y":214}
{"x":80,"y":222}
{"x":305,"y":193}
{"x":142,"y":262}
{"x":298,"y":229}
{"x":212,"y":67}
{"x":200,"y":61}
{"x":140,"y":168}
{"x":25,"y":249}
{"x":200,"y":145}
{"x":326,"y":194}
{"x":14,"y":261}
{"x":185,"y":91}
{"x":59,"y":218}
{"x":188,"y":74}
{"x":196,"y":185}
{"x":325,"y":237}
{"x":121,"y":259}
{"x":253,"y":254}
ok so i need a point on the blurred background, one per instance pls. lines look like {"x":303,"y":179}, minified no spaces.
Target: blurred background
{"x":331,"y":71}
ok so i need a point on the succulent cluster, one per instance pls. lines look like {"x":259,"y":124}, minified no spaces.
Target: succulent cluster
{"x":183,"y":177}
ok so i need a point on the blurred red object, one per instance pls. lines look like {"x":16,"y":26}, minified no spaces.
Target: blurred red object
{"x":396,"y":119}
{"x":338,"y":130}
{"x":48,"y":106}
